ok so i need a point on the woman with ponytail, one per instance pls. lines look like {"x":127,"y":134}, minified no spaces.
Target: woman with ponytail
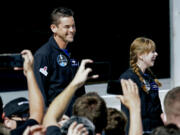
{"x":142,"y":56}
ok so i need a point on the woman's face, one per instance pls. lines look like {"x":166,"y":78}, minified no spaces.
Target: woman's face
{"x":149,"y":58}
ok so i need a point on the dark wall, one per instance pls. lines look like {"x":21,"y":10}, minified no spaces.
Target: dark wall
{"x":105,"y":29}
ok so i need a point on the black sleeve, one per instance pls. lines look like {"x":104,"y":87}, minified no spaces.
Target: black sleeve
{"x":53,"y":130}
{"x":20,"y":130}
{"x":41,"y":73}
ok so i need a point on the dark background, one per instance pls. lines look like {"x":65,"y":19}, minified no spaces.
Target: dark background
{"x":105,"y":30}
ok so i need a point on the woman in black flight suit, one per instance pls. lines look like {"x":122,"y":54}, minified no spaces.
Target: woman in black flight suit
{"x":142,"y":57}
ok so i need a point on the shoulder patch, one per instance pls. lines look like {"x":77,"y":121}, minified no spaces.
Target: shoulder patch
{"x":44,"y":70}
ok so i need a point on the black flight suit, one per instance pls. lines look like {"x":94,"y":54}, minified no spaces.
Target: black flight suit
{"x":54,"y":70}
{"x":150,"y":102}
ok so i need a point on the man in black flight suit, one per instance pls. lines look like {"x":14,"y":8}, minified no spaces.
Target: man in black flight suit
{"x":54,"y":69}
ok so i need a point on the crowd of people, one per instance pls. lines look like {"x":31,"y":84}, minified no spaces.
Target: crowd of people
{"x":58,"y":105}
{"x":89,"y":110}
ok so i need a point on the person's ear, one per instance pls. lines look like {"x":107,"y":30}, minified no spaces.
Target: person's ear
{"x":164,"y":118}
{"x":7,"y":121}
{"x":53,"y":28}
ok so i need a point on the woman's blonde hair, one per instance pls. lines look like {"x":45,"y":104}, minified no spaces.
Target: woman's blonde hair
{"x":140,"y":46}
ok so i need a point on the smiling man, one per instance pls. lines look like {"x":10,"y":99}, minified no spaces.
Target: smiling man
{"x":54,"y":68}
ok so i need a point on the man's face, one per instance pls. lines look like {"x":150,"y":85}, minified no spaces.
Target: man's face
{"x":66,"y":29}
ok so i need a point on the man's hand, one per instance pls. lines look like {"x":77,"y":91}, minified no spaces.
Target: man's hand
{"x":77,"y":129}
{"x":131,"y":100}
{"x":35,"y":130}
{"x":28,"y":61}
{"x":82,"y":74}
{"x":63,"y":120}
{"x":130,"y":97}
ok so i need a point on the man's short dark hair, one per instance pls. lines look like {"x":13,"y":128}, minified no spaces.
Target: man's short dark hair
{"x":116,"y":122}
{"x":60,"y":12}
{"x":170,"y":129}
{"x":171,"y":98}
{"x":93,"y":107}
